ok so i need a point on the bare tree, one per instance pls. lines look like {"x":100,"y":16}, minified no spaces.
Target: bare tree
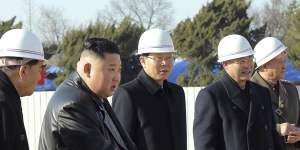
{"x":52,"y":24}
{"x":275,"y":16}
{"x":146,"y":13}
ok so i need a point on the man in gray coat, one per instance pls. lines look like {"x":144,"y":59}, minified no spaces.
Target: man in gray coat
{"x":270,"y":69}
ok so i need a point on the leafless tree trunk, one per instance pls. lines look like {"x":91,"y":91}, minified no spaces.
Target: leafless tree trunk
{"x":52,"y":24}
{"x":146,"y":13}
{"x":275,"y":16}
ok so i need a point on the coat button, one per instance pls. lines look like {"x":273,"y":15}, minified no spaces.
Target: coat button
{"x":266,"y":127}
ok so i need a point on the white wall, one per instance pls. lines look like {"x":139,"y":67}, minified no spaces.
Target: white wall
{"x":34,"y":108}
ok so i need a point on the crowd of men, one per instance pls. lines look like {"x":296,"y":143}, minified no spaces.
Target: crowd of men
{"x":250,"y":108}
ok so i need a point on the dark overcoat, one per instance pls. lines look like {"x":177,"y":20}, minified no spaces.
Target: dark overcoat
{"x":227,"y":120}
{"x":154,"y":116}
{"x":12,"y":130}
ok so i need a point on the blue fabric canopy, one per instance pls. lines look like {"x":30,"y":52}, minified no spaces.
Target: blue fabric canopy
{"x":180,"y":65}
{"x":49,"y":84}
{"x":291,"y":73}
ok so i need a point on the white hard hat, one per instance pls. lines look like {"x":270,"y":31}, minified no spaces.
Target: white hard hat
{"x":21,"y":43}
{"x":267,"y":49}
{"x":155,"y":41}
{"x":232,"y":47}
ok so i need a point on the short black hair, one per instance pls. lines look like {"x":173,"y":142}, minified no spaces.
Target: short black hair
{"x":100,"y":46}
{"x":30,"y":63}
{"x":144,"y":55}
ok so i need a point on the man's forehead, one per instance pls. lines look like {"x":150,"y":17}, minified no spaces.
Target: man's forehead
{"x":246,"y":57}
{"x":160,"y":54}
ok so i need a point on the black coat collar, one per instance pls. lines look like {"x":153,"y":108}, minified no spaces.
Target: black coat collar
{"x":239,"y":97}
{"x":232,"y":87}
{"x":7,"y":86}
{"x":234,"y":93}
{"x":151,"y":86}
{"x":76,"y":81}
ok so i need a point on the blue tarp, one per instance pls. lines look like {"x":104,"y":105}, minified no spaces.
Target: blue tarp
{"x":291,"y":73}
{"x":54,"y":69}
{"x":179,"y":67}
{"x":49,"y":84}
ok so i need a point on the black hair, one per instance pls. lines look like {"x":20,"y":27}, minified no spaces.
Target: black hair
{"x":30,"y":64}
{"x":100,"y":46}
{"x":145,"y":54}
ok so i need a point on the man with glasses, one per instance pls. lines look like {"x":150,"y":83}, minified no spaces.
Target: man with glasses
{"x":270,"y":70}
{"x":150,"y":108}
{"x":234,"y":113}
{"x":21,"y":61}
{"x":78,"y":116}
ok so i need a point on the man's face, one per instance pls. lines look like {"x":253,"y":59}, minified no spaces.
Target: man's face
{"x":105,"y":75}
{"x":158,"y":65}
{"x":32,"y":74}
{"x":275,"y":68}
{"x":240,"y":69}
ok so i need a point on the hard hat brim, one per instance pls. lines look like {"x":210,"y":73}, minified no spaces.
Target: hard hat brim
{"x":21,"y":53}
{"x":155,"y":50}
{"x":239,"y":55}
{"x":270,"y":56}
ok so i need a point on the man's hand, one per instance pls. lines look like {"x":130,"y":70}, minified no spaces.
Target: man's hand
{"x":293,"y":136}
{"x":284,"y":128}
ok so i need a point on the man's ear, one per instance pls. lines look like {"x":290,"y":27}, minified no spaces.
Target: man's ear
{"x":22,"y":71}
{"x":263,"y":67}
{"x":87,"y":69}
{"x":142,"y":61}
{"x":224,"y":64}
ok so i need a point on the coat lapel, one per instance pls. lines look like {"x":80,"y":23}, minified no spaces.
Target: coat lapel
{"x":234,"y":93}
{"x":110,"y":125}
{"x":253,"y":108}
{"x":259,"y":80}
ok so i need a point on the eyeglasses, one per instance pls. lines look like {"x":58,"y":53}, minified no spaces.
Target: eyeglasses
{"x":159,"y":59}
{"x":243,"y":61}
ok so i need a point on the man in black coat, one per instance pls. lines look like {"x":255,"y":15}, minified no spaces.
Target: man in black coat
{"x":78,"y":116}
{"x":150,"y":108}
{"x":21,"y":61}
{"x":234,"y":113}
